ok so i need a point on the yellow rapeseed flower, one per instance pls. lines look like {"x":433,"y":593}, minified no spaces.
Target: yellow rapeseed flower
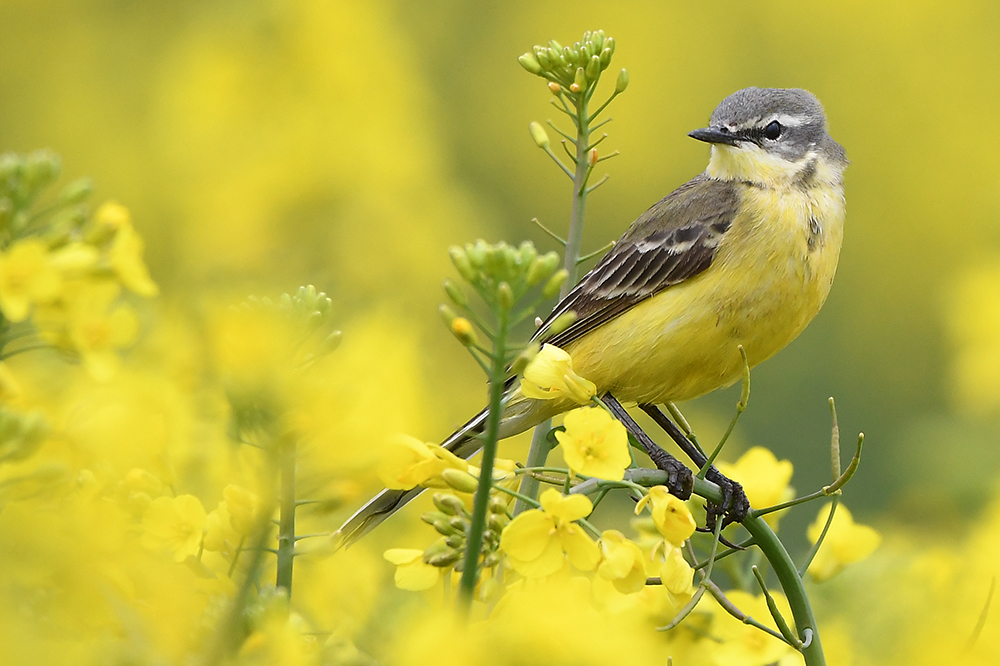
{"x":538,"y":541}
{"x":595,"y":444}
{"x":550,"y":375}
{"x":622,"y":562}
{"x":671,"y":515}
{"x":97,"y":330}
{"x":846,"y":542}
{"x":408,"y":463}
{"x":126,"y":259}
{"x":412,"y":573}
{"x":764,"y":478}
{"x":242,"y":505}
{"x":176,"y":524}
{"x":26,"y":277}
{"x":675,"y":573}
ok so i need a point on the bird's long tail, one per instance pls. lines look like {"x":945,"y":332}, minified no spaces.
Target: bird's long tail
{"x":464,"y":443}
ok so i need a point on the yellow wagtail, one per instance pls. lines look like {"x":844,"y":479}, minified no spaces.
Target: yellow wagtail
{"x":742,"y":254}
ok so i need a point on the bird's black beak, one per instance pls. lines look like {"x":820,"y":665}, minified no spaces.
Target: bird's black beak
{"x":716,"y":135}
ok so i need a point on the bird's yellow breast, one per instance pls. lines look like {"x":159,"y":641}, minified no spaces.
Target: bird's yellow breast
{"x":770,"y":276}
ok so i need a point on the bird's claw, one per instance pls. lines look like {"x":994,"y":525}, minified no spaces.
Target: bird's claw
{"x":734,"y":506}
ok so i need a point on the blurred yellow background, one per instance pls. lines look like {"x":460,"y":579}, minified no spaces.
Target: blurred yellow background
{"x":262,"y":145}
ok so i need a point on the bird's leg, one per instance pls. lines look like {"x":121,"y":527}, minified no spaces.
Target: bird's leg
{"x":735,"y":505}
{"x":680,"y":480}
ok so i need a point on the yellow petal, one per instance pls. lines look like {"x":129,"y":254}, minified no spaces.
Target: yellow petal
{"x":568,"y":508}
{"x":399,"y":556}
{"x":581,"y":549}
{"x":546,"y":563}
{"x":528,"y":535}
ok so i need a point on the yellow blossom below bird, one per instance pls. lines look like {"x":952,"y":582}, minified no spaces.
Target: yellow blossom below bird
{"x":538,"y":541}
{"x":671,"y":515}
{"x":595,"y":444}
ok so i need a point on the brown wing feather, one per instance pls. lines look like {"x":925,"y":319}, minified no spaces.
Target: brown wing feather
{"x":672,"y":241}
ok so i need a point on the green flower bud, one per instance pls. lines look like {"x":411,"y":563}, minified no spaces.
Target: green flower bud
{"x":495,"y":523}
{"x":41,"y":168}
{"x":605,"y":58}
{"x":459,"y":480}
{"x":555,"y":283}
{"x":431,"y":517}
{"x":580,"y":80}
{"x":449,"y":504}
{"x":597,"y":38}
{"x":456,"y":541}
{"x":455,"y":293}
{"x":490,"y":561}
{"x":539,"y":135}
{"x":442,"y":557}
{"x":553,"y":44}
{"x":11,"y":168}
{"x":331,"y":342}
{"x":462,"y":263}
{"x":622,"y":83}
{"x":497,"y":505}
{"x":556,"y":58}
{"x":526,"y":254}
{"x":458,"y":524}
{"x":609,"y":43}
{"x":541,"y":268}
{"x":76,"y":191}
{"x":561,"y":323}
{"x":505,"y":296}
{"x":542,"y":56}
{"x":594,"y":68}
{"x":529,"y":62}
{"x":478,"y":253}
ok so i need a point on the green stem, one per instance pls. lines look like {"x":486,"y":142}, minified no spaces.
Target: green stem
{"x":474,"y":537}
{"x":539,"y":450}
{"x":286,"y":516}
{"x":791,"y":584}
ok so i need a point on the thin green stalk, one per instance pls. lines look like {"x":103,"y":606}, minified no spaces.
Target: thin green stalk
{"x":474,"y":537}
{"x":286,"y":515}
{"x":791,"y":584}
{"x":539,"y":450}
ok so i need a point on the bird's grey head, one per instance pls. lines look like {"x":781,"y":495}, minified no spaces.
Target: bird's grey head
{"x":784,"y":122}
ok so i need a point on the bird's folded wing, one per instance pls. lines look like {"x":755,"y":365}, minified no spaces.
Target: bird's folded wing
{"x":674,"y":240}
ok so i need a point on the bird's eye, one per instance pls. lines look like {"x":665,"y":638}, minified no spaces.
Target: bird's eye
{"x":773,"y":130}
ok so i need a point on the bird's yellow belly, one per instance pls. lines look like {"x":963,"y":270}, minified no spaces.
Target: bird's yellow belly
{"x":769,"y":278}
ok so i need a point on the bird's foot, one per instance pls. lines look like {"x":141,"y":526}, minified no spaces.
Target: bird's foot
{"x":734,"y":506}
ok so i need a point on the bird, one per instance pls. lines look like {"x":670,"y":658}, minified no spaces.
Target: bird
{"x":743,"y":254}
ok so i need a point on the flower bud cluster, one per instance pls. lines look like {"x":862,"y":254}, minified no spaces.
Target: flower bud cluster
{"x":311,"y":314}
{"x":501,"y":274}
{"x":576,"y":67}
{"x":452,"y":520}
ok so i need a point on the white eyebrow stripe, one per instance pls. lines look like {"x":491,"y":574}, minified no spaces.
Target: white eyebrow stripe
{"x":787,"y":120}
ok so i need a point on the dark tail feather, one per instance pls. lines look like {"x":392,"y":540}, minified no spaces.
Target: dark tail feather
{"x":462,"y":442}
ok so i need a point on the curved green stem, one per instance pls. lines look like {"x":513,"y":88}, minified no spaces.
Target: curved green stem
{"x":791,"y":584}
